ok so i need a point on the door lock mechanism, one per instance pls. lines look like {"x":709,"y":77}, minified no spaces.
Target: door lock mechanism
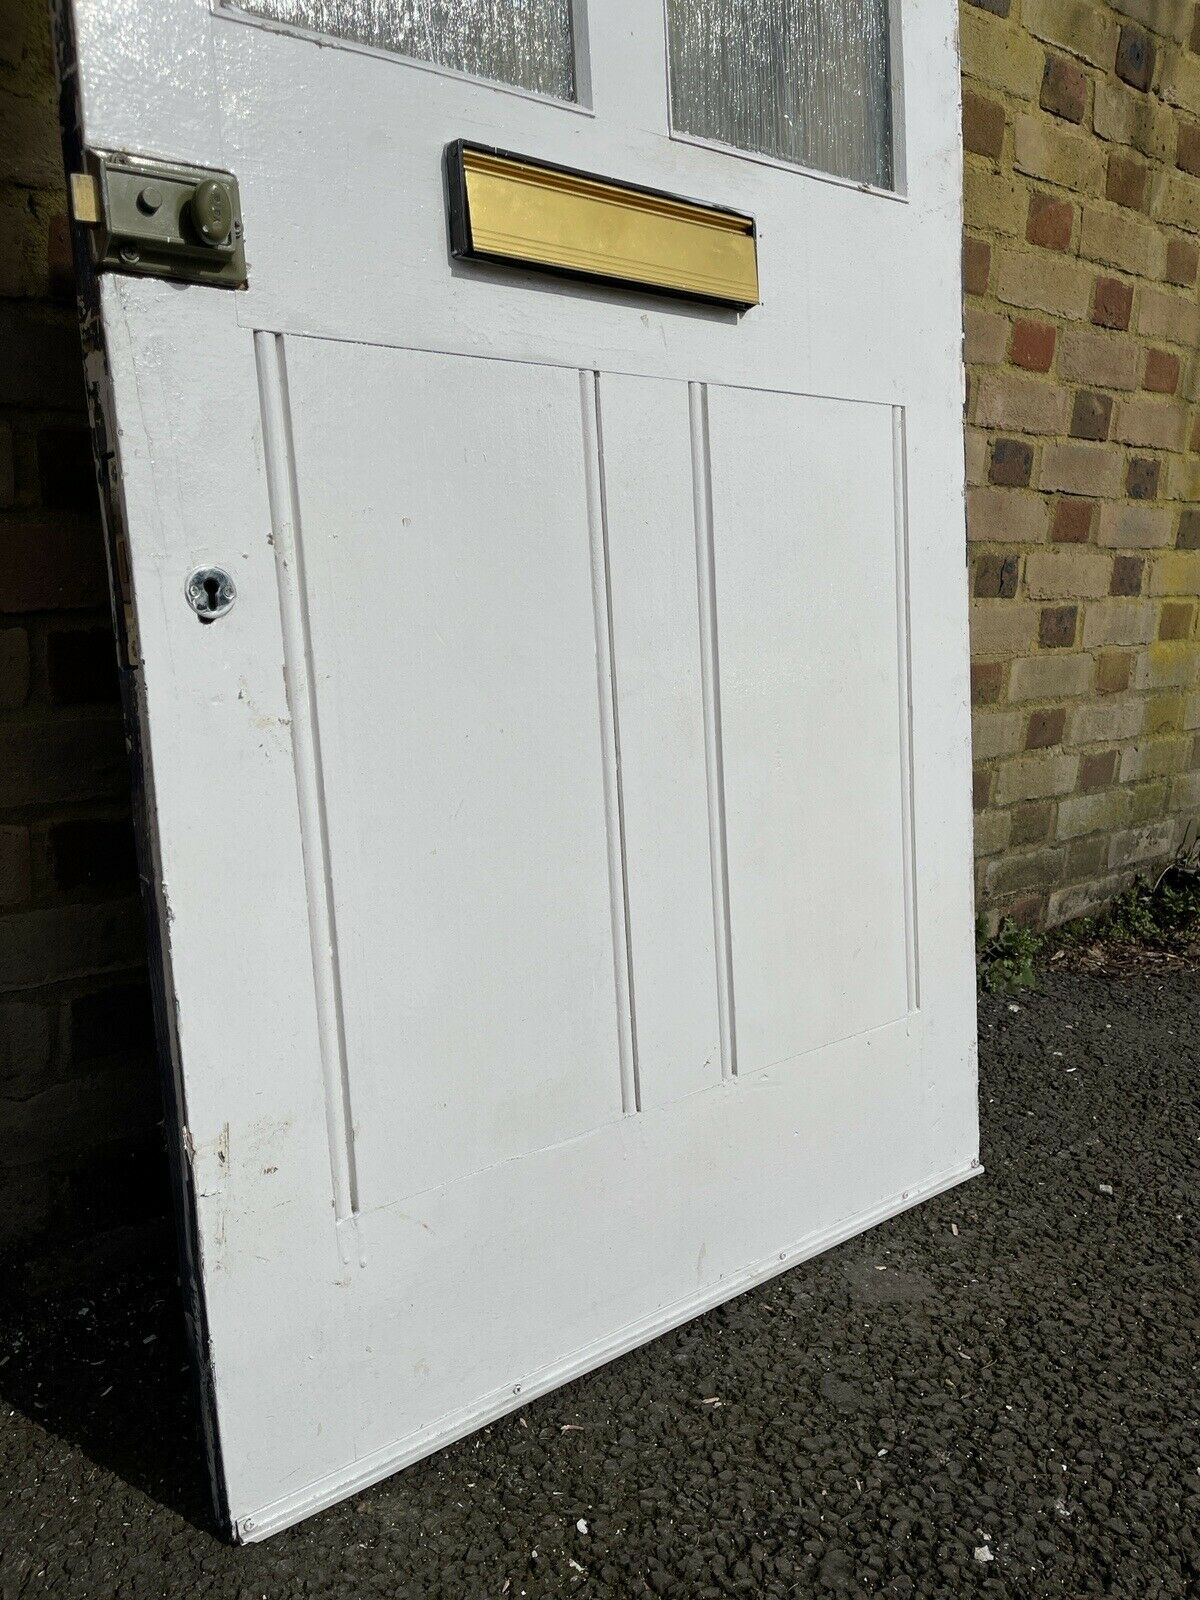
{"x":161,"y":219}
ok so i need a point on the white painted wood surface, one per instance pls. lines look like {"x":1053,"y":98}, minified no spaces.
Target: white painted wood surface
{"x":563,"y":844}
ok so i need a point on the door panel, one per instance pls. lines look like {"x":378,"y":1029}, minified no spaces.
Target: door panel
{"x":669,"y":796}
{"x":448,"y":578}
{"x":805,"y":538}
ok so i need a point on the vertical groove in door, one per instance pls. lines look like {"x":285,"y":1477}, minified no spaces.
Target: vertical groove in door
{"x":610,"y":734}
{"x":306,"y":751}
{"x":903,"y":614}
{"x":710,"y":679}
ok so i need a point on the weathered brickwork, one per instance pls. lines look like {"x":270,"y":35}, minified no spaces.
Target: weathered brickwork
{"x":79,"y":1100}
{"x":1082,"y":211}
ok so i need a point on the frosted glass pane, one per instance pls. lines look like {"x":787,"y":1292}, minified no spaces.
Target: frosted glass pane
{"x":804,"y":80}
{"x":523,"y":42}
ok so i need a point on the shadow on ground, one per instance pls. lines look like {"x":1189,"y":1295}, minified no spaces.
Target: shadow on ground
{"x":994,"y":1394}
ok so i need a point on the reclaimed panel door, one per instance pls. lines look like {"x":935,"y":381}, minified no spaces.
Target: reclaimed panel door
{"x":560,"y":852}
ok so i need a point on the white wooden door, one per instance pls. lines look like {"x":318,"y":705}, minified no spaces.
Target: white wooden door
{"x":561,"y":849}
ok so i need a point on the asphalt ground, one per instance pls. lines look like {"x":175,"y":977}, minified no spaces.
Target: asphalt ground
{"x":995,"y":1394}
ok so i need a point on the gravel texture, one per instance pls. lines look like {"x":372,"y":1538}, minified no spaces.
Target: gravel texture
{"x":994,"y":1394}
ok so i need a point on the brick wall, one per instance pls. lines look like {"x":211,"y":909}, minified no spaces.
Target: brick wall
{"x":79,"y":1099}
{"x":1082,"y":207}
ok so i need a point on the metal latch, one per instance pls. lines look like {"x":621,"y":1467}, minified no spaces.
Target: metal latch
{"x":161,"y":219}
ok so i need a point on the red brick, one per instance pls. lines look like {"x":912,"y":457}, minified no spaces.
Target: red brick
{"x":1045,"y":728}
{"x":1050,"y":222}
{"x":1033,"y":345}
{"x":14,"y":666}
{"x":977,"y":265}
{"x":1182,"y":259}
{"x":1187,"y":148}
{"x":996,"y":576}
{"x":1126,"y":575}
{"x":1064,"y":89}
{"x":981,"y":788}
{"x":1073,"y":519}
{"x":1097,"y":771}
{"x":983,"y":125}
{"x":1056,"y":627}
{"x":1126,"y":182}
{"x":1188,"y":535}
{"x":987,"y":682}
{"x":1135,"y":58}
{"x":1091,"y":415}
{"x":94,"y":853}
{"x":1031,"y":822}
{"x":81,"y":666}
{"x":51,"y":563}
{"x":1011,"y":464}
{"x":66,"y":475}
{"x":1141,"y":478}
{"x":1112,"y":303}
{"x":1176,"y":620}
{"x":16,"y":875}
{"x":1114,"y":668}
{"x":1162,"y":372}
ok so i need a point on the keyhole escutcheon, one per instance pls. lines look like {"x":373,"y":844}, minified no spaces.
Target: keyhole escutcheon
{"x":210,"y":592}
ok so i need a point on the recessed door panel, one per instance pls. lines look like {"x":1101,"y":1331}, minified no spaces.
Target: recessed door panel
{"x":444,"y":518}
{"x":660,"y":693}
{"x":805,"y":538}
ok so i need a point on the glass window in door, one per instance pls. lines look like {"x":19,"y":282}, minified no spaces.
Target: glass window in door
{"x":803,"y":81}
{"x":527,"y":43}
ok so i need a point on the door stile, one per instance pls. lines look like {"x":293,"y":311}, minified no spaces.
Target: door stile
{"x":710,"y":679}
{"x":610,"y":733}
{"x":908,"y":848}
{"x":287,"y":537}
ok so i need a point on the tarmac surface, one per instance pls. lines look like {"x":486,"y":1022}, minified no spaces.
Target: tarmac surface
{"x":994,"y":1394}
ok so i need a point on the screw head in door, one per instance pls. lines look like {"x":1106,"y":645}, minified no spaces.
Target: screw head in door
{"x":211,"y":211}
{"x":210,"y":592}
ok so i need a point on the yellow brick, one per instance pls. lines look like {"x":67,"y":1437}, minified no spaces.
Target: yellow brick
{"x":996,"y":733}
{"x":1161,"y":315}
{"x":1084,"y":30}
{"x":1124,"y":116}
{"x":1154,"y":758}
{"x":1119,"y":241}
{"x":1176,"y":199}
{"x":1091,"y":813}
{"x":1181,"y":80}
{"x":1176,"y":572}
{"x":1119,"y":622}
{"x":1135,"y":527}
{"x":1104,"y":360}
{"x":1076,"y":573}
{"x":1152,"y":424}
{"x":1078,"y":468}
{"x":994,"y":202}
{"x":1035,"y":777}
{"x":1039,"y":282}
{"x":1000,"y":55}
{"x":985,"y":336}
{"x":1017,"y":404}
{"x":1140,"y":845}
{"x":1045,"y":150}
{"x":1170,"y":17}
{"x":1002,"y":627}
{"x":1006,"y":516}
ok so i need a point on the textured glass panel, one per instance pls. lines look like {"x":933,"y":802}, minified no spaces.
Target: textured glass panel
{"x":523,"y":42}
{"x":804,"y":80}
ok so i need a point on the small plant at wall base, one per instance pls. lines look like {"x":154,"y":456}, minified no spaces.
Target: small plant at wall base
{"x":1007,"y":960}
{"x":1161,"y":915}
